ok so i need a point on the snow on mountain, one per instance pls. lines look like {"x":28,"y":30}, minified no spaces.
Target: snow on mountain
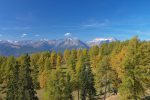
{"x":73,"y":43}
{"x":16,"y":48}
{"x":99,"y":41}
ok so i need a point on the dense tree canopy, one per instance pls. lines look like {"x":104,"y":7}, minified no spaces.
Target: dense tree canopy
{"x":89,"y":73}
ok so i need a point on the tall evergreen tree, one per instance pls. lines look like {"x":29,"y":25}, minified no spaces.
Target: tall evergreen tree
{"x":2,"y":64}
{"x":135,"y":72}
{"x":86,"y":78}
{"x":90,"y":84}
{"x":83,"y":82}
{"x":55,"y":85}
{"x":103,"y":75}
{"x":78,"y":71}
{"x":66,"y":55}
{"x":35,"y":69}
{"x":12,"y":86}
{"x":44,"y":74}
{"x":94,"y":58}
{"x":71,"y":69}
{"x":26,"y":88}
{"x":59,"y":59}
{"x":68,"y":88}
{"x":8,"y":66}
{"x":53,"y":59}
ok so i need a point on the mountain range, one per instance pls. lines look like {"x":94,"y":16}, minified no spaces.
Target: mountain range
{"x":16,"y":48}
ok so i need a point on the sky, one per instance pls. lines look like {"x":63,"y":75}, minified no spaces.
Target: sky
{"x":83,"y":19}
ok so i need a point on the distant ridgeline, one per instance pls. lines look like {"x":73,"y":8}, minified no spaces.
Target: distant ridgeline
{"x":94,"y":73}
{"x":16,"y":48}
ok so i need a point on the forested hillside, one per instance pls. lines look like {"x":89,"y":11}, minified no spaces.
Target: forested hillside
{"x":95,"y":73}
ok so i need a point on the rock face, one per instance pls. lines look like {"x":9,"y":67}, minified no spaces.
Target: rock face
{"x":17,"y":48}
{"x":99,"y":41}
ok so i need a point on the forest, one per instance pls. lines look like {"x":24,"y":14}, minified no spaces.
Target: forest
{"x":117,"y":68}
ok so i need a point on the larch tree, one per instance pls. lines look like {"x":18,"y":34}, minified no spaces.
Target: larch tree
{"x":132,"y":86}
{"x":68,"y":88}
{"x":103,"y":76}
{"x":55,"y":85}
{"x":53,"y":59}
{"x":66,"y":55}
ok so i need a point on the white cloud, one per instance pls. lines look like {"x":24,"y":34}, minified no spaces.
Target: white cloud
{"x":37,"y":35}
{"x":24,"y":35}
{"x":68,"y":34}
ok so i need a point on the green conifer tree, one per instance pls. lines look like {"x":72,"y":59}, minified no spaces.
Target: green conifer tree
{"x":135,"y":72}
{"x":12,"y":86}
{"x":26,"y":88}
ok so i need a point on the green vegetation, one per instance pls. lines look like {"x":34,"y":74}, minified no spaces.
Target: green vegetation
{"x":122,"y":67}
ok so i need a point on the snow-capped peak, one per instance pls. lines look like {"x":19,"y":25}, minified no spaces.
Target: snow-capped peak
{"x":10,"y":41}
{"x":102,"y":39}
{"x":99,"y":41}
{"x":44,"y":39}
{"x":70,"y":39}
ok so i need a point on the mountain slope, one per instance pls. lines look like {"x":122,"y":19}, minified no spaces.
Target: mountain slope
{"x":17,"y":48}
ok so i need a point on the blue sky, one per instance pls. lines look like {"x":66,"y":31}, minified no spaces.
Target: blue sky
{"x":84,"y":19}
